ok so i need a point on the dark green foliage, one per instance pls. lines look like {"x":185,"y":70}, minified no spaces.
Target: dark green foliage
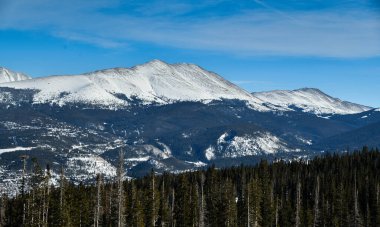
{"x":333,"y":190}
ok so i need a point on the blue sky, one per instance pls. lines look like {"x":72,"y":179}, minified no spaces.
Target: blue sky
{"x":258,"y":44}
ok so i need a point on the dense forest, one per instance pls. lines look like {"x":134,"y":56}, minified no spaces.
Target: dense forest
{"x":333,"y":190}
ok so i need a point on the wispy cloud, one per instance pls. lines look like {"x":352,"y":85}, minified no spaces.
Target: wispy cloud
{"x":268,"y":31}
{"x":276,"y":11}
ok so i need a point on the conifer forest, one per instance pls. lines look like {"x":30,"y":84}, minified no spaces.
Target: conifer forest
{"x":332,"y":190}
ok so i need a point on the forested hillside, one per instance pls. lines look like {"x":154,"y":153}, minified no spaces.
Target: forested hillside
{"x":333,"y":190}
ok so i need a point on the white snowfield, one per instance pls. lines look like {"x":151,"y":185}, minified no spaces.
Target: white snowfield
{"x":310,"y":100}
{"x":152,"y":82}
{"x":7,"y":75}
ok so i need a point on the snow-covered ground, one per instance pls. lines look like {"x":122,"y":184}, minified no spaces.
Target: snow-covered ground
{"x":12,"y":149}
{"x":246,"y":145}
{"x":310,"y":100}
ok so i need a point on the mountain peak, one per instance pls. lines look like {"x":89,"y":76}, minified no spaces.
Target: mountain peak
{"x":156,"y":62}
{"x":310,"y":89}
{"x":7,"y":75}
{"x":152,"y":82}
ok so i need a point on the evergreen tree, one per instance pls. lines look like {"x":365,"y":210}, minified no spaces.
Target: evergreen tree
{"x":333,"y":190}
{"x":254,"y":201}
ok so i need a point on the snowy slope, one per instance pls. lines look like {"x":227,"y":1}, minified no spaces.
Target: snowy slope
{"x":153,"y":82}
{"x":310,"y":100}
{"x":7,"y":75}
{"x":246,"y":145}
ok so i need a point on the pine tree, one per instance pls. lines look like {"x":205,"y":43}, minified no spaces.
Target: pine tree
{"x":254,"y":200}
{"x":137,"y":214}
{"x":228,"y":209}
{"x":334,"y":190}
{"x":266,"y":199}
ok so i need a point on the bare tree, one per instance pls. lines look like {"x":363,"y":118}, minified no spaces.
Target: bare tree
{"x":46,"y":197}
{"x":2,"y":207}
{"x":120,"y":191}
{"x":154,"y":198}
{"x":62,"y":181}
{"x":202,"y":203}
{"x":172,"y":208}
{"x":248,"y":207}
{"x":298,"y":204}
{"x":357,"y":219}
{"x":98,"y":198}
{"x":276,"y":213}
{"x":23,"y":188}
{"x":316,"y":204}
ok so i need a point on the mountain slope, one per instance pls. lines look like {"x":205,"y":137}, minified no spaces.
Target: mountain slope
{"x":310,"y":100}
{"x":368,"y":135}
{"x":7,"y":75}
{"x":153,"y":82}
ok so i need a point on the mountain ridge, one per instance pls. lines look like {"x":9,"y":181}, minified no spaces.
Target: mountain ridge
{"x":311,"y":100}
{"x":158,"y":82}
{"x":152,"y":82}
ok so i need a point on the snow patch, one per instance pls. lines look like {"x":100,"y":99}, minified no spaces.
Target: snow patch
{"x":197,"y":164}
{"x":5,"y":150}
{"x":87,"y":167}
{"x":305,"y":141}
{"x":210,"y":153}
{"x":248,"y":145}
{"x":140,"y":159}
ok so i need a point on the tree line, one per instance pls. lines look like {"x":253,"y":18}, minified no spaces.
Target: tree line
{"x":333,"y":190}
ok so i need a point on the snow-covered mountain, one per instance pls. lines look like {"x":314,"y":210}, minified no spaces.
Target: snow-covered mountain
{"x":197,"y":118}
{"x":7,"y":75}
{"x":157,"y":82}
{"x":152,"y":82}
{"x":310,"y":100}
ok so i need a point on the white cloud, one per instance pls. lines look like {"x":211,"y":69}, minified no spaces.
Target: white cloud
{"x":349,"y":34}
